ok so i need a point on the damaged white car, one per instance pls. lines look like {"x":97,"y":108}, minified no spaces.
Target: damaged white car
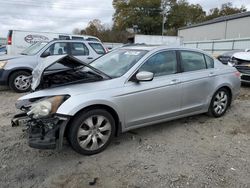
{"x":128,"y":88}
{"x":241,"y":61}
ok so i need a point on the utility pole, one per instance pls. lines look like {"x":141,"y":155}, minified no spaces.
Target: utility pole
{"x":162,"y":26}
{"x":163,"y":22}
{"x":165,"y":5}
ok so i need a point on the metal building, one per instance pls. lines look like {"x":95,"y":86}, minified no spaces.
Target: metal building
{"x":226,"y":27}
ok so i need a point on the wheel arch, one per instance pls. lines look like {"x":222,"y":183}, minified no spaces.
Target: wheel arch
{"x":108,"y":108}
{"x":229,"y":89}
{"x":29,"y":70}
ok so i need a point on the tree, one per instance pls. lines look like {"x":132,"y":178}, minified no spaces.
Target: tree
{"x":181,"y":14}
{"x":76,"y":31}
{"x":143,"y":14}
{"x":147,"y":15}
{"x":104,"y":33}
{"x":224,"y":10}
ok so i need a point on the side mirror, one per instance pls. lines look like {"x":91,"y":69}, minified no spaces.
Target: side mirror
{"x":144,"y":76}
{"x":45,"y":54}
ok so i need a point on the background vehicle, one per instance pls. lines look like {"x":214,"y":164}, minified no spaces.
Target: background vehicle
{"x":3,"y":50}
{"x":225,"y":57}
{"x":125,"y":89}
{"x":16,"y":70}
{"x":241,"y":61}
{"x":18,"y":40}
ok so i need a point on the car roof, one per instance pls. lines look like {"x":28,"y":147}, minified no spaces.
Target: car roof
{"x":84,"y":41}
{"x":160,"y":47}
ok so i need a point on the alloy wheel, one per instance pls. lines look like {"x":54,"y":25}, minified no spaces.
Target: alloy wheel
{"x":22,"y":82}
{"x":220,"y":102}
{"x":94,"y":132}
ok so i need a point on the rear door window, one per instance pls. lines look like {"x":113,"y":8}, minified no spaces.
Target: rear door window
{"x":79,"y":49}
{"x":192,"y":61}
{"x":98,"y":48}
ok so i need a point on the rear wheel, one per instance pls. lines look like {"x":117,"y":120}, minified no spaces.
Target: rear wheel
{"x":219,"y":103}
{"x":20,"y":81}
{"x":91,"y":132}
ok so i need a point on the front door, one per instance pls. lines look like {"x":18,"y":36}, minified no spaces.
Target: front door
{"x":156,"y":100}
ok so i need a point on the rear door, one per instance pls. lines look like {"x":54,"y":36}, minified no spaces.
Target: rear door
{"x":197,"y":79}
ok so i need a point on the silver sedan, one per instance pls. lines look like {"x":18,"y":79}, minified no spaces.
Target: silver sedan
{"x":130,"y":87}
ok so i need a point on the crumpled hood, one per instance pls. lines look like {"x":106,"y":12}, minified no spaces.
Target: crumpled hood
{"x":41,"y":67}
{"x":53,"y":70}
{"x":245,"y":56}
{"x":9,"y":57}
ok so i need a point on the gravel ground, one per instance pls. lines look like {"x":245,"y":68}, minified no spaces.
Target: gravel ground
{"x":198,"y":151}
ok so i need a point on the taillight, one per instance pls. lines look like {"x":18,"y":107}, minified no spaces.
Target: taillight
{"x":9,"y":40}
{"x":237,"y":74}
{"x":10,"y":37}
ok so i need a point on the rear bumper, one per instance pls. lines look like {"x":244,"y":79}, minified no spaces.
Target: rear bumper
{"x":43,"y":133}
{"x":4,"y":75}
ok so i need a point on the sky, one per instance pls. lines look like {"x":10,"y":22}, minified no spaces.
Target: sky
{"x":63,"y":15}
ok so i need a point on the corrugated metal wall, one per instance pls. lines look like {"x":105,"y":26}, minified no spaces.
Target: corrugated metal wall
{"x":220,"y":46}
{"x":236,"y":28}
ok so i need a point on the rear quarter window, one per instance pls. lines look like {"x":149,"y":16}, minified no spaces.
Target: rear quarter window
{"x":209,"y":61}
{"x":98,"y":48}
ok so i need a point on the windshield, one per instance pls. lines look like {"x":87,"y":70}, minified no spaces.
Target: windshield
{"x":118,"y":62}
{"x":33,"y":49}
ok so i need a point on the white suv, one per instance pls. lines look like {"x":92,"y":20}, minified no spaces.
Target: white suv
{"x":15,"y":70}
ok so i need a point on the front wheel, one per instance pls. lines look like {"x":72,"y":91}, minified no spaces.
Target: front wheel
{"x":20,"y":81}
{"x":219,"y":103}
{"x":91,"y":132}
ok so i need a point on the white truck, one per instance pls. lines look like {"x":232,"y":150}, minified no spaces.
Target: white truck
{"x":18,"y":40}
{"x":156,"y":40}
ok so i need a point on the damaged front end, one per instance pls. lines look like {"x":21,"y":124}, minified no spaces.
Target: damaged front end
{"x":44,"y":126}
{"x":241,"y":61}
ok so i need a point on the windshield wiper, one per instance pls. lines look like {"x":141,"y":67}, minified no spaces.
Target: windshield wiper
{"x":23,"y":54}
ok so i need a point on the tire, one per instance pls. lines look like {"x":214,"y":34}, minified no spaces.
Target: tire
{"x":91,"y":131}
{"x":219,"y":103}
{"x":19,"y":83}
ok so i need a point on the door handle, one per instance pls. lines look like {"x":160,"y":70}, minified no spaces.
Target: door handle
{"x":211,"y":74}
{"x":175,"y":81}
{"x":90,"y":58}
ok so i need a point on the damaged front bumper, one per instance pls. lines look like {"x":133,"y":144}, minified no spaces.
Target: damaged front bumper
{"x":43,"y":133}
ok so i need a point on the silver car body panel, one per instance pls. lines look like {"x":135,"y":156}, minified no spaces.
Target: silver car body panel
{"x":139,"y":104}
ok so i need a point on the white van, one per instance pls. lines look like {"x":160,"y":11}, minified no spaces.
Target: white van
{"x":18,"y":41}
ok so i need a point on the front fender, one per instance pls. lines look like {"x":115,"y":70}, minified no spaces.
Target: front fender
{"x":75,"y":104}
